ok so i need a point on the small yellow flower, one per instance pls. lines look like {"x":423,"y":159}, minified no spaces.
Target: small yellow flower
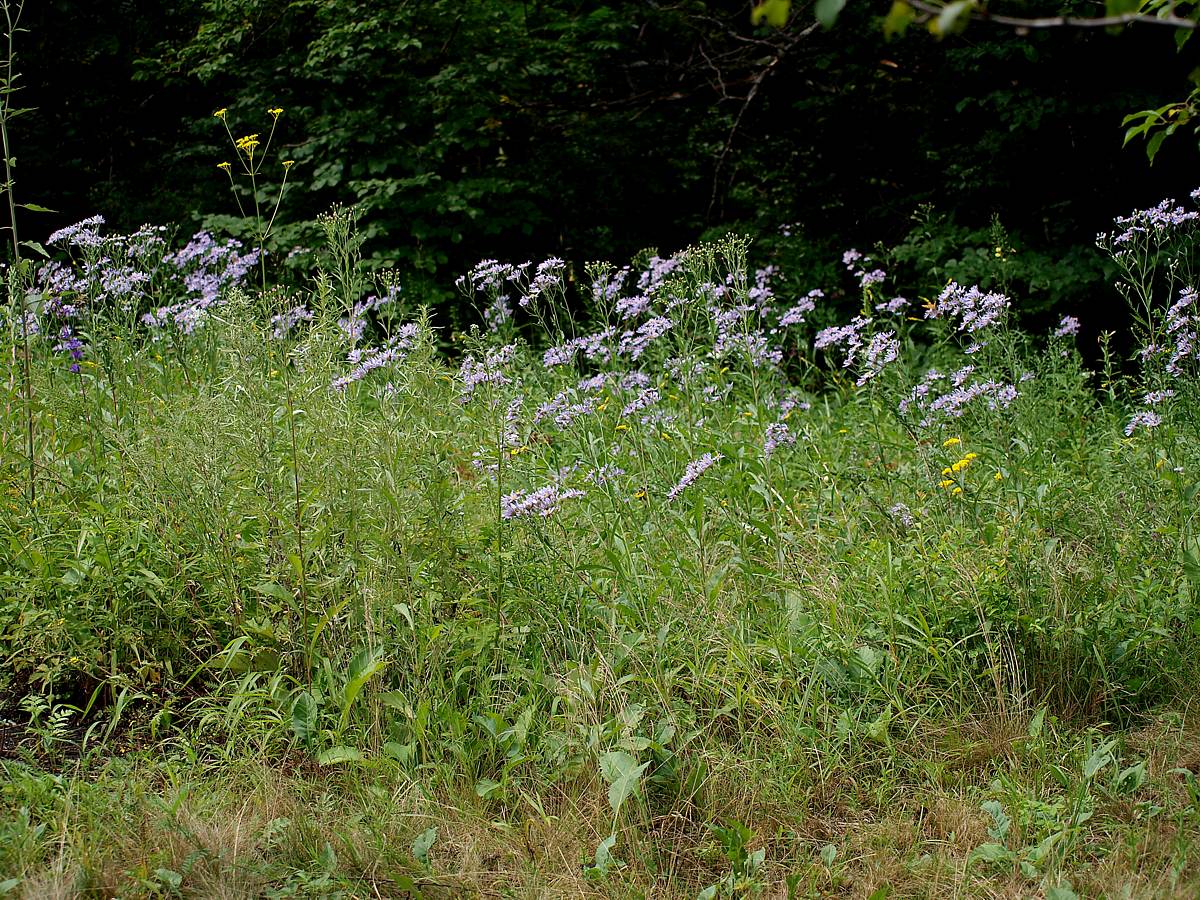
{"x":665,"y":436}
{"x":970,"y":456}
{"x":276,"y":112}
{"x":220,"y":113}
{"x":956,"y":491}
{"x":639,"y":495}
{"x":950,"y":442}
{"x":288,"y":163}
{"x":224,"y":166}
{"x":998,"y":476}
{"x":602,"y":407}
{"x":946,"y":483}
{"x":622,"y":427}
{"x":747,"y":414}
{"x":947,"y":470}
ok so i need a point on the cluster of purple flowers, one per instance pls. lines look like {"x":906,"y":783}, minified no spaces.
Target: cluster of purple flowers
{"x":596,"y":347}
{"x":207,"y":268}
{"x":777,"y":435}
{"x":1182,"y":326}
{"x":802,"y":308}
{"x":646,"y":398}
{"x":83,"y":234}
{"x":355,"y":324}
{"x":882,"y":349}
{"x":634,"y":343}
{"x":902,"y":514}
{"x":955,"y":402}
{"x":547,"y":277}
{"x":394,"y":350}
{"x":604,"y":474}
{"x":1145,"y":418}
{"x":847,"y":336}
{"x":894,"y":306}
{"x":969,"y":309}
{"x":544,"y":502}
{"x":563,"y":410}
{"x":656,"y":272}
{"x":490,"y":370}
{"x":1157,"y":222}
{"x":71,"y":345}
{"x":695,"y":469}
{"x":282,"y":324}
{"x":856,"y":263}
{"x":1068,"y":327}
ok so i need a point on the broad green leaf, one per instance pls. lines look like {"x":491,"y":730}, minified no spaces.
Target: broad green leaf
{"x":774,"y":12}
{"x":335,"y":755}
{"x":1001,"y":822}
{"x":1154,"y":143}
{"x":36,"y":207}
{"x":1100,"y":758}
{"x":36,"y":248}
{"x":367,"y":663}
{"x":422,"y":844}
{"x":622,"y":773}
{"x":1036,"y":723}
{"x":827,"y":11}
{"x":603,"y":860}
{"x":304,"y":718}
{"x":271,"y":589}
{"x":991,"y":853}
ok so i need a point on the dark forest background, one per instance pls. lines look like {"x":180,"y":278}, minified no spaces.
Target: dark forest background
{"x":594,"y":130}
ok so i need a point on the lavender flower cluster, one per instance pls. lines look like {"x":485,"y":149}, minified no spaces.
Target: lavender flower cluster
{"x":544,"y":502}
{"x":692,"y":473}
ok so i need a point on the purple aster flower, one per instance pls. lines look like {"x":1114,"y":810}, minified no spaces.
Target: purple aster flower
{"x":542,"y":502}
{"x":1068,"y":327}
{"x":1143,"y":419}
{"x":695,"y":469}
{"x":777,"y":436}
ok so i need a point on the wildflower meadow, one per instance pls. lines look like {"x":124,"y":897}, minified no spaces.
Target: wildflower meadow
{"x":660,"y":580}
{"x":336,"y":561}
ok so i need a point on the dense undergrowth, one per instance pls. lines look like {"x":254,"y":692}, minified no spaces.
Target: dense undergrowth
{"x":651,"y":587}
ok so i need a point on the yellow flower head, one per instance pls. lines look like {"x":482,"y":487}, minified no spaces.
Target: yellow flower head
{"x":226,"y":166}
{"x":288,"y":163}
{"x":247,"y":144}
{"x":220,"y":113}
{"x":950,"y":442}
{"x":945,"y":484}
{"x":276,"y":112}
{"x":999,"y":476}
{"x":956,"y":491}
{"x":970,"y":456}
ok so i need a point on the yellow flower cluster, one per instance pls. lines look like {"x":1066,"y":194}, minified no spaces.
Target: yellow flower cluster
{"x":948,"y":482}
{"x":247,"y":144}
{"x":957,"y":467}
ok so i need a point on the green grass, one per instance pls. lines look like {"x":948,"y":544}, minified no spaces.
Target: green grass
{"x":267,"y":638}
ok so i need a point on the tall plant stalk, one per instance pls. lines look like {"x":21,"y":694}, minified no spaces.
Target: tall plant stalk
{"x":12,"y":17}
